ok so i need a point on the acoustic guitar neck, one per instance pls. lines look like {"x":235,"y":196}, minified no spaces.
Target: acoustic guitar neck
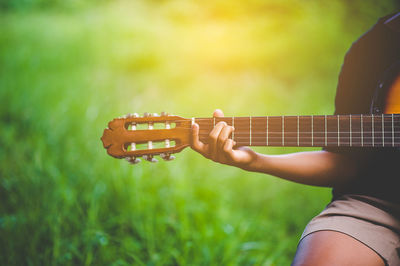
{"x":132,"y":136}
{"x":310,"y":131}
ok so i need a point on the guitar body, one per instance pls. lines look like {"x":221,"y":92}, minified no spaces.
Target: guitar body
{"x":392,"y":103}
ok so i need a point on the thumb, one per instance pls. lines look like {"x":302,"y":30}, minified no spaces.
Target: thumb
{"x":218,"y":113}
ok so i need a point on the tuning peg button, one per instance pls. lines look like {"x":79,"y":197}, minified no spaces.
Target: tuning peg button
{"x":150,"y":158}
{"x":167,"y":156}
{"x":130,"y":115}
{"x":132,"y":160}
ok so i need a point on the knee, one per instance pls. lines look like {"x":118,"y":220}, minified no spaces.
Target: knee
{"x":334,"y":248}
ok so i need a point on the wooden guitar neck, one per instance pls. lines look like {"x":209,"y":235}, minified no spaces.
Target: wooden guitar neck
{"x":310,"y":131}
{"x":133,"y":136}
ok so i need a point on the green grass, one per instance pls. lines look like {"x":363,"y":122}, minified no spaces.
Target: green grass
{"x":65,"y":73}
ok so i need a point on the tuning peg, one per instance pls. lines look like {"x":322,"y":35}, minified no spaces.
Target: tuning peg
{"x":167,"y":156}
{"x":132,"y":160}
{"x":150,"y":158}
{"x":164,"y":113}
{"x":146,"y":114}
{"x":130,"y":115}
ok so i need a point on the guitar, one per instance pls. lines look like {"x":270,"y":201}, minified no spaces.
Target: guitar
{"x":132,"y":136}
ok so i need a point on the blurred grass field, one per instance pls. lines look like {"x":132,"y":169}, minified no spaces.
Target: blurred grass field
{"x":69,"y":67}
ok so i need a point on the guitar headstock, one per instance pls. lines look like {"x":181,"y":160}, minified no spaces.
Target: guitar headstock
{"x":132,"y":136}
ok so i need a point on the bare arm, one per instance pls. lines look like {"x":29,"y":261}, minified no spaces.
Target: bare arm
{"x":318,"y":168}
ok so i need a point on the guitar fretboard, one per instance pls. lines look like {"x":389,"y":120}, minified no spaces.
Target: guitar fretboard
{"x":308,"y":131}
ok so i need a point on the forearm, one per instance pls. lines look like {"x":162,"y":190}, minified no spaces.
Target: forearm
{"x":317,"y":168}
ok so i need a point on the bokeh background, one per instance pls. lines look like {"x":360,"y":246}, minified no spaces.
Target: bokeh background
{"x":68,"y":67}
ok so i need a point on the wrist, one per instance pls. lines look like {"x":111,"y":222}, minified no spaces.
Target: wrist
{"x":254,"y":163}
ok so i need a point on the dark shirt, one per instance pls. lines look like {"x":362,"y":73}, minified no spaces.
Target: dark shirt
{"x":365,"y":64}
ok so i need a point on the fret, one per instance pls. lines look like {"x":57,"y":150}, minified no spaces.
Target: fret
{"x":242,"y":126}
{"x":338,"y":131}
{"x":378,"y":136}
{"x":350,"y":132}
{"x":267,"y":129}
{"x":332,"y":131}
{"x":367,"y":131}
{"x":298,"y":135}
{"x":372,"y":130}
{"x":312,"y":130}
{"x":319,"y":131}
{"x":305,"y":131}
{"x":326,"y":131}
{"x":275,"y":131}
{"x":250,"y":131}
{"x":259,"y":130}
{"x":396,"y":133}
{"x":383,"y":131}
{"x":227,"y":120}
{"x":356,"y":130}
{"x":283,"y":131}
{"x":344,"y":130}
{"x":392,"y":131}
{"x":388,"y":136}
{"x":291,"y":130}
{"x":233,"y":125}
{"x":206,"y":125}
{"x":362,"y":133}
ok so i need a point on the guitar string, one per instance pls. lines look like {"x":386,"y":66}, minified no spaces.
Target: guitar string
{"x":255,"y":124}
{"x":316,"y":144}
{"x":294,"y":137}
{"x":293,"y":140}
{"x":303,"y":132}
{"x":279,"y":138}
{"x":264,"y":132}
{"x":295,"y":132}
{"x":322,"y":117}
{"x":355,"y":119}
{"x":255,"y":130}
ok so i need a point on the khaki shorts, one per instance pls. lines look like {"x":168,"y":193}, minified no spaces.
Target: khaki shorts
{"x":372,"y":221}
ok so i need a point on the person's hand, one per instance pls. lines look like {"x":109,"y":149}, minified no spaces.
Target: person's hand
{"x":220,"y":148}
